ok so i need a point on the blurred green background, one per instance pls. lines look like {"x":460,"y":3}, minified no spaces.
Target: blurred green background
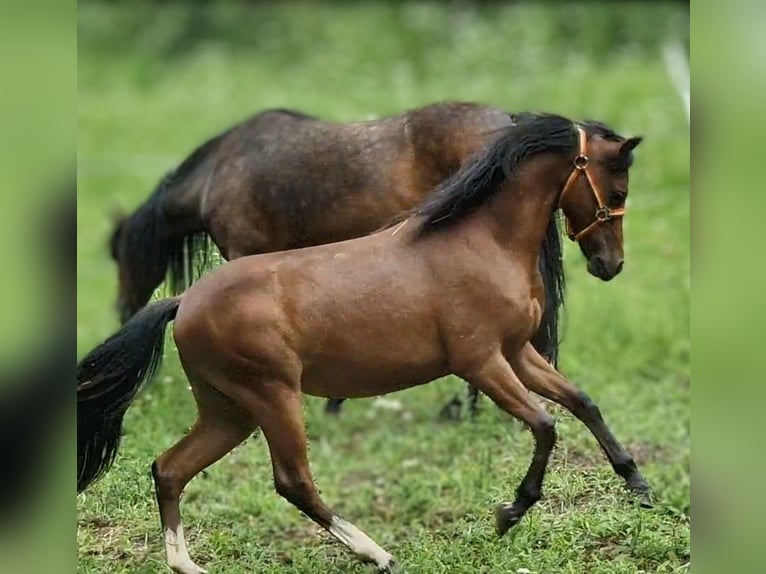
{"x":156,"y":79}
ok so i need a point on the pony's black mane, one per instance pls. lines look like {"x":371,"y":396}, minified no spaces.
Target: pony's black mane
{"x":479,"y":179}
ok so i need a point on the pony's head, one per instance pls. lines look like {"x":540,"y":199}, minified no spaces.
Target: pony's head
{"x":593,"y":197}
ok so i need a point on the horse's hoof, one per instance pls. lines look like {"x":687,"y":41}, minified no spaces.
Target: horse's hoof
{"x":641,"y":490}
{"x":645,"y":498}
{"x":506,"y":517}
{"x":187,"y":568}
{"x":392,"y":567}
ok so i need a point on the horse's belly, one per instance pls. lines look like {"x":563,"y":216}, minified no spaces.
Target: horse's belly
{"x":365,"y":372}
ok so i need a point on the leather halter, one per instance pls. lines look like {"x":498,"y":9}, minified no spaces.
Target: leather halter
{"x":603,"y":211}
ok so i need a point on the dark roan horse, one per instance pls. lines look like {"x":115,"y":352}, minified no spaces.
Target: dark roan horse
{"x":284,"y":180}
{"x":455,"y":288}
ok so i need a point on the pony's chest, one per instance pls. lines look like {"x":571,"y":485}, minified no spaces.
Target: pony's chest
{"x":493,"y":305}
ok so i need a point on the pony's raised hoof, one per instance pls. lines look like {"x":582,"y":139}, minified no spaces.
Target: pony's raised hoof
{"x":506,"y":517}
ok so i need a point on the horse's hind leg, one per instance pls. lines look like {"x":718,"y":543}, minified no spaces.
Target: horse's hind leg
{"x":332,"y":407}
{"x":473,"y":401}
{"x":453,"y":409}
{"x":220,"y":427}
{"x":539,"y":376}
{"x":498,"y":381}
{"x":281,"y":419}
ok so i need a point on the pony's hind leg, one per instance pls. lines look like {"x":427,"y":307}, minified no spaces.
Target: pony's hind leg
{"x":473,"y":401}
{"x":498,"y":381}
{"x":540,"y":377}
{"x":332,"y":407}
{"x":281,"y":419}
{"x":452,"y":411}
{"x":220,"y":427}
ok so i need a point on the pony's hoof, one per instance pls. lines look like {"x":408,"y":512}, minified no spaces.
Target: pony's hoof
{"x":187,"y":568}
{"x":641,"y":490}
{"x":645,"y":498}
{"x":506,"y":517}
{"x":392,"y":567}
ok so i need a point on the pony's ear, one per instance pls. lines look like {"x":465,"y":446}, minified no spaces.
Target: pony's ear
{"x":118,"y":221}
{"x":629,"y":145}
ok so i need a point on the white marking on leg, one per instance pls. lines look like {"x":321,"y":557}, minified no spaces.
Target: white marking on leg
{"x":359,"y":543}
{"x":177,"y":554}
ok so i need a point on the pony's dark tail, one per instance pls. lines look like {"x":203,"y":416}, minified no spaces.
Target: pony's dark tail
{"x":142,"y":245}
{"x":108,"y":379}
{"x":166,"y":234}
{"x":551,"y":264}
{"x":188,"y":260}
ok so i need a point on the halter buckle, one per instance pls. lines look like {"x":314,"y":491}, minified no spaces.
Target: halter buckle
{"x":603,"y":214}
{"x":581,"y":162}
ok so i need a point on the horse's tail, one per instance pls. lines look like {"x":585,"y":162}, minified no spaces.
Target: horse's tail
{"x":188,"y":260}
{"x":163,"y":235}
{"x":108,"y":379}
{"x":551,"y":263}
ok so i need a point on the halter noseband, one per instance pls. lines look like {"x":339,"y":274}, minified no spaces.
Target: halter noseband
{"x":603,"y":212}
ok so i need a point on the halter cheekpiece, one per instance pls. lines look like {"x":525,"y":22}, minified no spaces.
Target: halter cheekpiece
{"x":603,"y":211}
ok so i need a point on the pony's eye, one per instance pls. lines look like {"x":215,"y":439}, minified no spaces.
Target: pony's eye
{"x":617,"y":197}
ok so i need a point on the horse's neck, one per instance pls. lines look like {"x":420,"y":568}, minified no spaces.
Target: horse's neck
{"x":517,"y":217}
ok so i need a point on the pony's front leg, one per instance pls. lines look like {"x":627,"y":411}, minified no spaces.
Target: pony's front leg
{"x":497,"y":380}
{"x":540,"y":377}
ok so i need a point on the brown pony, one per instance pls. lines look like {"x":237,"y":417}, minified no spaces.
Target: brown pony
{"x":284,"y":180}
{"x":455,"y":288}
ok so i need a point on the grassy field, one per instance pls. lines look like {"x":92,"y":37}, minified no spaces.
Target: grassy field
{"x":153,"y":83}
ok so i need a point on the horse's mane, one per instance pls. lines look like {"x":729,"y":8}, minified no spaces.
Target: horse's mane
{"x":479,"y":179}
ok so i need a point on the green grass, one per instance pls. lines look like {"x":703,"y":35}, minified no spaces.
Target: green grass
{"x":154,"y":82}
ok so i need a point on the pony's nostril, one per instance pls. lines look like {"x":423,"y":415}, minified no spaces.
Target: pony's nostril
{"x":598,"y":264}
{"x":619,"y":267}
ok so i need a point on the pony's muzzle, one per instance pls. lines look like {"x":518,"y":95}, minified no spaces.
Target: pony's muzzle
{"x":604,"y":269}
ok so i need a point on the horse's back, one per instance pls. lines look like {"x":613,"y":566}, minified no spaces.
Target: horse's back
{"x":299,"y":182}
{"x":296,"y":181}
